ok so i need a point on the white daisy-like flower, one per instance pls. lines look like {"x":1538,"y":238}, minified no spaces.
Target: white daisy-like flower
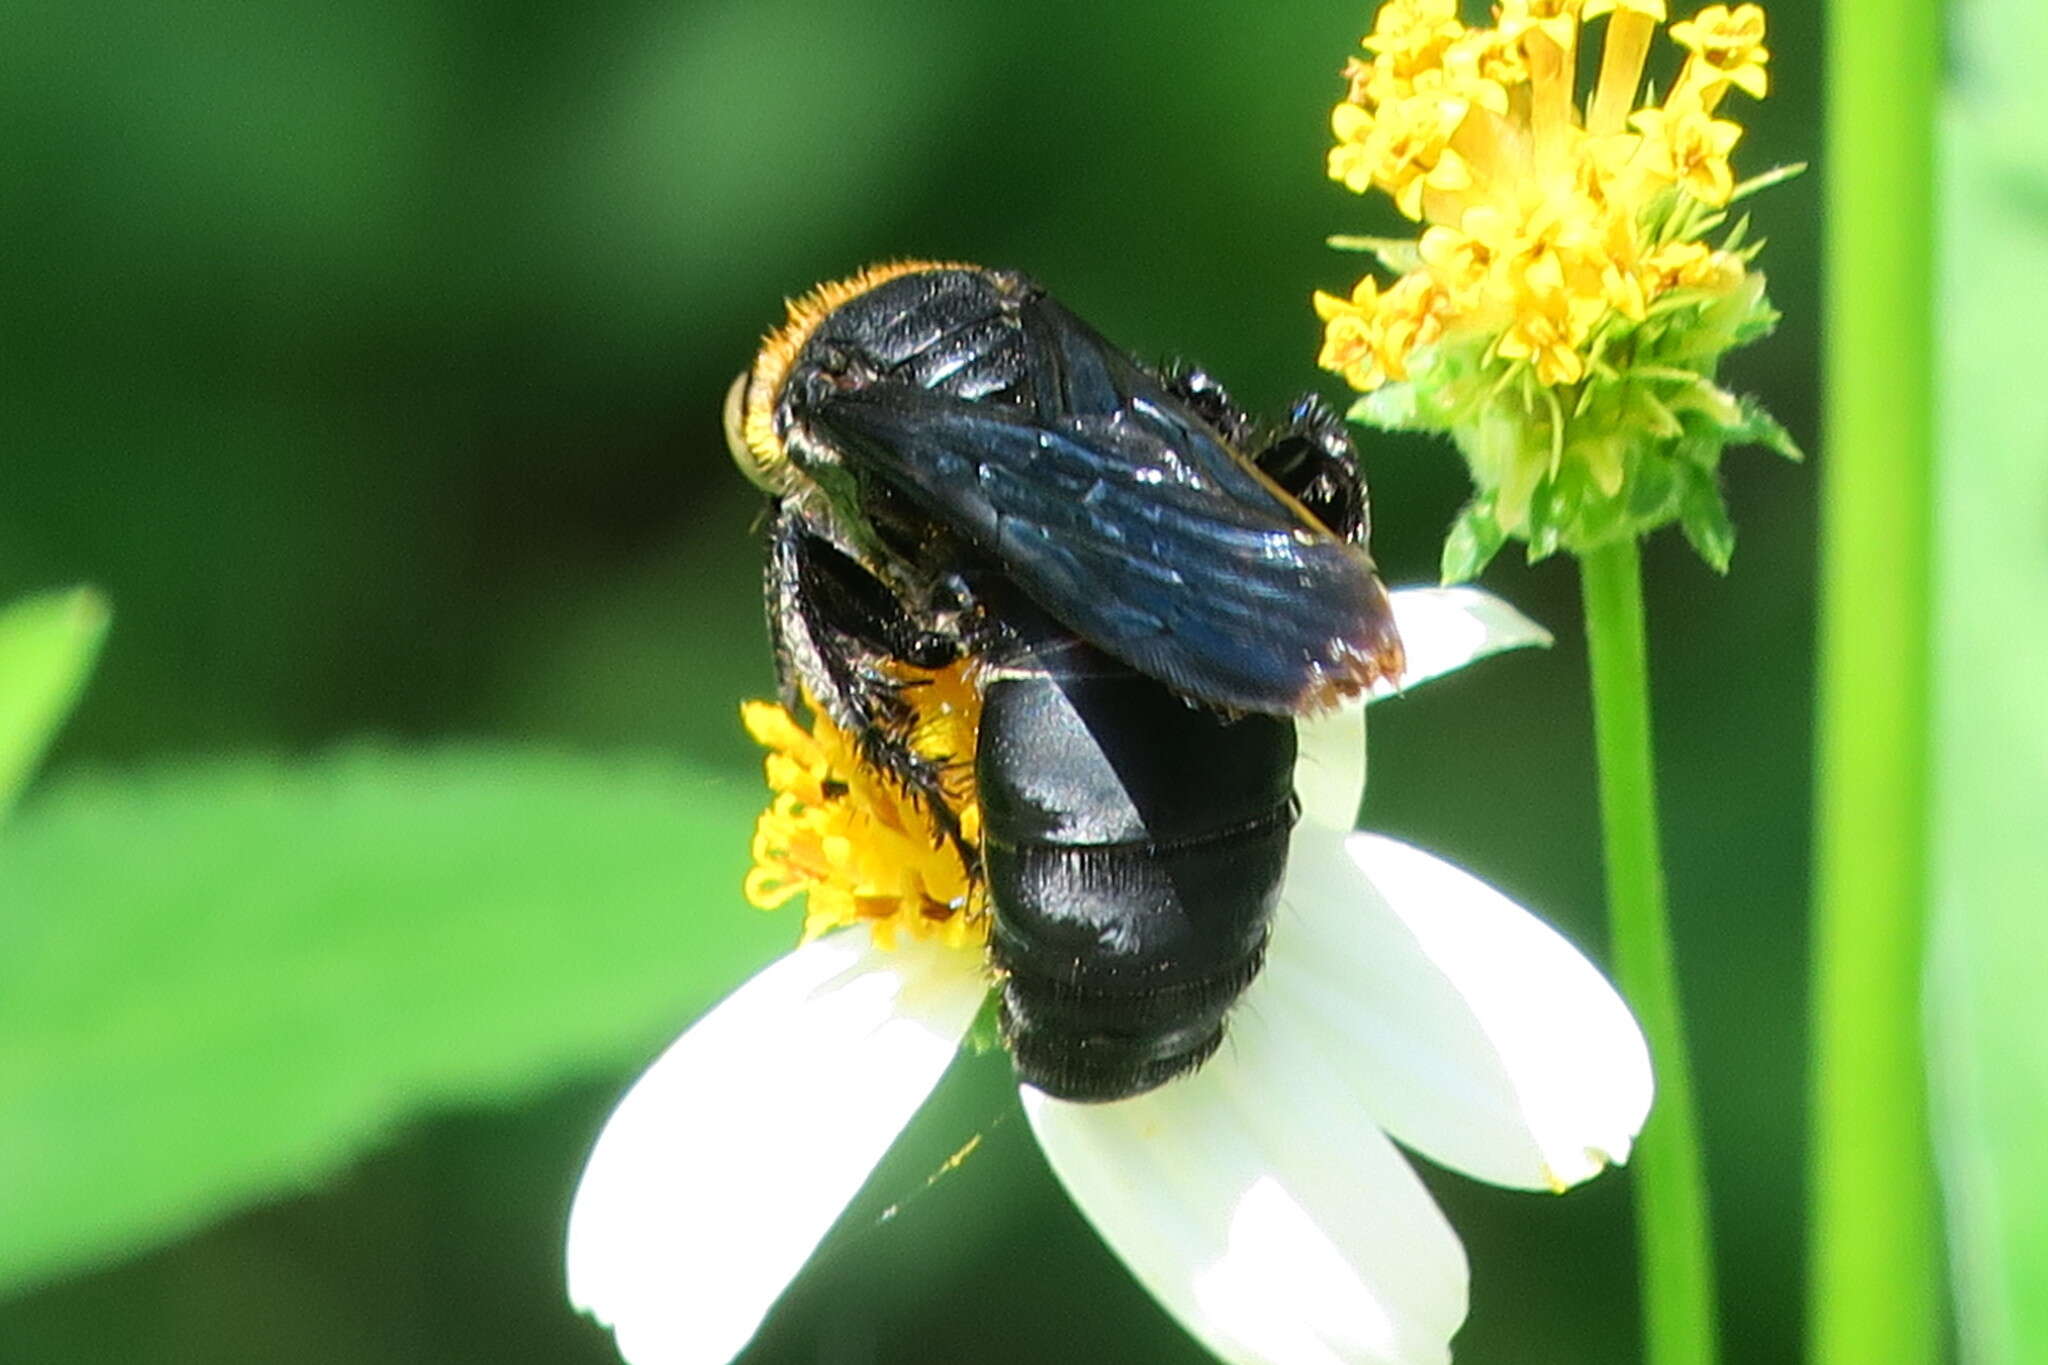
{"x":1261,"y":1200}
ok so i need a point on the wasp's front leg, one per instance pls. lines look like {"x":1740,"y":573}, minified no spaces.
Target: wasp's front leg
{"x":842,"y":638}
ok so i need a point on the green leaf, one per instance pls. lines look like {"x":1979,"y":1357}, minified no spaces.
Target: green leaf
{"x":1777,"y":175}
{"x":1652,"y":492}
{"x":47,"y":647}
{"x":220,"y":983}
{"x":1703,"y":516}
{"x":1544,"y":541}
{"x":1474,"y":539}
{"x":1736,"y":235}
{"x":1398,"y":254}
{"x":1760,"y":428}
{"x":1988,"y":1029}
{"x":1391,"y":407}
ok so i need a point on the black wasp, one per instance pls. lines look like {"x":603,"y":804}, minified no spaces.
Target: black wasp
{"x":1150,"y":588}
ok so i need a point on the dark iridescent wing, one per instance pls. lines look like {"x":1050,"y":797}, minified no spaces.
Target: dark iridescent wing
{"x":1126,"y":518}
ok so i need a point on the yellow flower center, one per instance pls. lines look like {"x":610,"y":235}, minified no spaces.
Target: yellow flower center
{"x":856,"y":843}
{"x":1545,"y":223}
{"x":1728,"y":49}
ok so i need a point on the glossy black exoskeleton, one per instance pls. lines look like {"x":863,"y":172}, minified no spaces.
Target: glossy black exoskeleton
{"x":1151,"y":587}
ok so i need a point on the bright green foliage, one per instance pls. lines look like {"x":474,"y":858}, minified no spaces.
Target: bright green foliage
{"x":220,"y":983}
{"x":47,"y":647}
{"x":1991,"y":708}
{"x":1874,"y":1267}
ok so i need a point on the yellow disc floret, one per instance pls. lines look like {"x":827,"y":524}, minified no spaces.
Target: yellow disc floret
{"x":858,"y":845}
{"x":1727,"y":49}
{"x":1559,"y":276}
{"x":1475,"y":133}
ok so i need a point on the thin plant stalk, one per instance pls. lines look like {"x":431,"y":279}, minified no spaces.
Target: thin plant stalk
{"x":1876,"y":1264}
{"x":1676,"y":1244}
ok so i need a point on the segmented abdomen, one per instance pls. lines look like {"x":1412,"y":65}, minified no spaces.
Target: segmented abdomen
{"x":1134,"y":847}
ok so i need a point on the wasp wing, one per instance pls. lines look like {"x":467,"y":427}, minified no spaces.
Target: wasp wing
{"x":1134,"y":526}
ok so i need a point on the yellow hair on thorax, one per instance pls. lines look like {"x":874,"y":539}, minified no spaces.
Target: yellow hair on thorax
{"x":779,"y":351}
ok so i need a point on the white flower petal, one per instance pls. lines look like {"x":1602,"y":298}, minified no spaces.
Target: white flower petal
{"x":1261,"y":1205}
{"x":1329,"y":766}
{"x":726,"y":1163}
{"x":1443,"y":629}
{"x":1477,"y":1034}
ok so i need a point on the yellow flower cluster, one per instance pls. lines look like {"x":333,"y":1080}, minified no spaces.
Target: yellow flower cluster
{"x":862,"y":848}
{"x":1545,"y":225}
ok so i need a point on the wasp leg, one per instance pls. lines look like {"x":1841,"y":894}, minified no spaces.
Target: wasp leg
{"x":1313,"y":459}
{"x":836,"y":629}
{"x":1201,"y":391}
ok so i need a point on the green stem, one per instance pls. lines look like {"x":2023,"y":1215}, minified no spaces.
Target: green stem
{"x":1874,"y":1239}
{"x":1671,"y":1190}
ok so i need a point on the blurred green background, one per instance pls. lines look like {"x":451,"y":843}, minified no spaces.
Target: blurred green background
{"x":369,"y":358}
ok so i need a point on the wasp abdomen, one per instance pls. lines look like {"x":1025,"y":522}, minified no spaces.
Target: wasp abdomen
{"x":1134,"y":847}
